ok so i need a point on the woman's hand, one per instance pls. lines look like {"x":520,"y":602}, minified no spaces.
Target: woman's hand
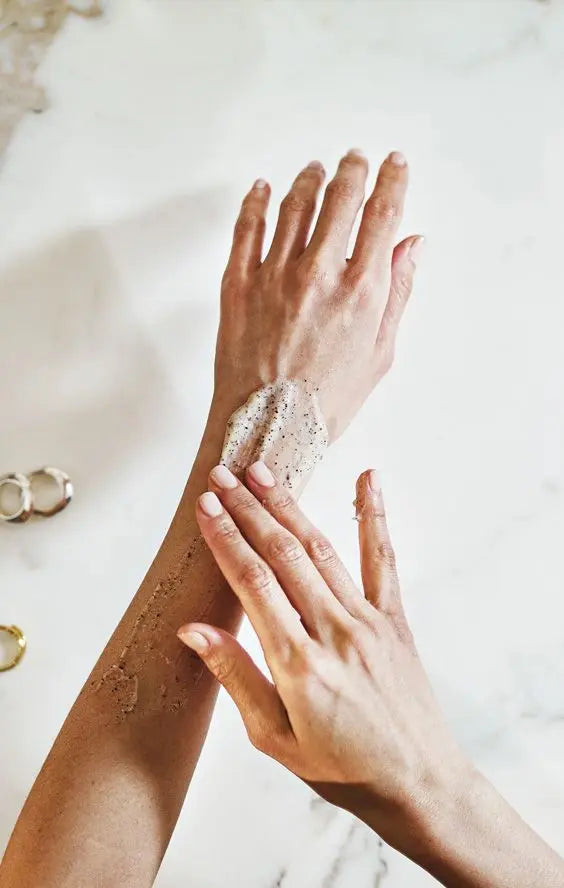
{"x":351,"y":710}
{"x":304,"y":312}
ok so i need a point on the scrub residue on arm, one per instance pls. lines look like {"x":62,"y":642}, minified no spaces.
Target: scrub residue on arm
{"x":282,"y":424}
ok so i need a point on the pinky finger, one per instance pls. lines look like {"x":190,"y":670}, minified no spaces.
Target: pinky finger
{"x":255,"y":697}
{"x":248,"y":236}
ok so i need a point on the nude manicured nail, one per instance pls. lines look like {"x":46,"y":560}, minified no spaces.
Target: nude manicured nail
{"x":261,"y":474}
{"x":315,"y":165}
{"x":194,"y":640}
{"x":416,"y":249}
{"x":356,"y":152}
{"x":210,"y":505}
{"x":374,"y":481}
{"x":397,"y":158}
{"x":223,"y":477}
{"x":260,"y":183}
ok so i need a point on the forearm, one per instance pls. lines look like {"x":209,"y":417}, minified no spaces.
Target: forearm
{"x":106,"y":801}
{"x":467,"y":836}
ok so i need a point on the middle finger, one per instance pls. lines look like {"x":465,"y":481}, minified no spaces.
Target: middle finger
{"x":343,"y":199}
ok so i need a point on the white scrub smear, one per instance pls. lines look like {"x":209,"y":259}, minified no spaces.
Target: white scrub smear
{"x":282,"y":424}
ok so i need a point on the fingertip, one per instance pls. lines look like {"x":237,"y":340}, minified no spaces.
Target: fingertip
{"x":193,"y":639}
{"x":261,"y":474}
{"x":209,"y":505}
{"x":374,"y":483}
{"x":260,"y":185}
{"x":416,"y":248}
{"x":397,"y":159}
{"x":363,"y":480}
{"x":368,"y":493}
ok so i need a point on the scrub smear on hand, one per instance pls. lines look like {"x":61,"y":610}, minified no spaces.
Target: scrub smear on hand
{"x":281,"y":424}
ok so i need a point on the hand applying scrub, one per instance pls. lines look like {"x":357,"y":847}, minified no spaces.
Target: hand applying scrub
{"x":347,"y":706}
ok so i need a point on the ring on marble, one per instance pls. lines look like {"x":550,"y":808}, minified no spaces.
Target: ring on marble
{"x":25,"y":508}
{"x":20,"y":650}
{"x":64,"y":484}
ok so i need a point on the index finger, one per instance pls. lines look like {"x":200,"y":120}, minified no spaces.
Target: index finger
{"x":274,"y":619}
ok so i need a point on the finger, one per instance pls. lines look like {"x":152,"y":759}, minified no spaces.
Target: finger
{"x":253,"y":582}
{"x":254,"y":695}
{"x":248,"y":236}
{"x":382,"y":215}
{"x":404,"y":260}
{"x":280,"y":549}
{"x":377,"y":558}
{"x":283,"y":507}
{"x":296,"y":214}
{"x":343,"y":199}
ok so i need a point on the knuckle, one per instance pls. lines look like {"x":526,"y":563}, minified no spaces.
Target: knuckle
{"x":281,"y":501}
{"x":297,"y":202}
{"x":320,"y":550}
{"x":386,"y":555}
{"x":255,"y":577}
{"x":342,"y":188}
{"x":381,"y":209}
{"x":224,"y":532}
{"x":243,"y":503}
{"x":221,"y":667}
{"x":247,"y":223}
{"x":283,"y":548}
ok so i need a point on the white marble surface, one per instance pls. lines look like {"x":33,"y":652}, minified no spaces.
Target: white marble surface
{"x":116,"y":206}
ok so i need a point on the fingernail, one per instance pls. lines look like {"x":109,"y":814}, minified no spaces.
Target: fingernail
{"x":416,"y":249}
{"x":261,"y":474}
{"x":356,"y":152}
{"x":210,"y":505}
{"x":260,"y":183}
{"x":316,"y":165}
{"x":223,"y":477}
{"x":374,"y":481}
{"x":194,"y":640}
{"x":397,"y":158}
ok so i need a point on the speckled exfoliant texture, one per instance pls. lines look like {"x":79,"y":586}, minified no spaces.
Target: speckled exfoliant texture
{"x":152,"y":643}
{"x":281,"y":423}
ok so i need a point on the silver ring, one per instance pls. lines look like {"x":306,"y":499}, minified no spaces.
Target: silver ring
{"x":64,"y":484}
{"x":25,"y":509}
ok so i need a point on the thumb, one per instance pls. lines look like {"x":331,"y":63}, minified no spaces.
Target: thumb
{"x":404,"y":259}
{"x":255,"y":697}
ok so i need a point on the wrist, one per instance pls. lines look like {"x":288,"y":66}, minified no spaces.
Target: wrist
{"x":424,"y":817}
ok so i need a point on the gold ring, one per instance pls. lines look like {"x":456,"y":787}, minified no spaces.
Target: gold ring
{"x":64,"y":484}
{"x":20,"y":651}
